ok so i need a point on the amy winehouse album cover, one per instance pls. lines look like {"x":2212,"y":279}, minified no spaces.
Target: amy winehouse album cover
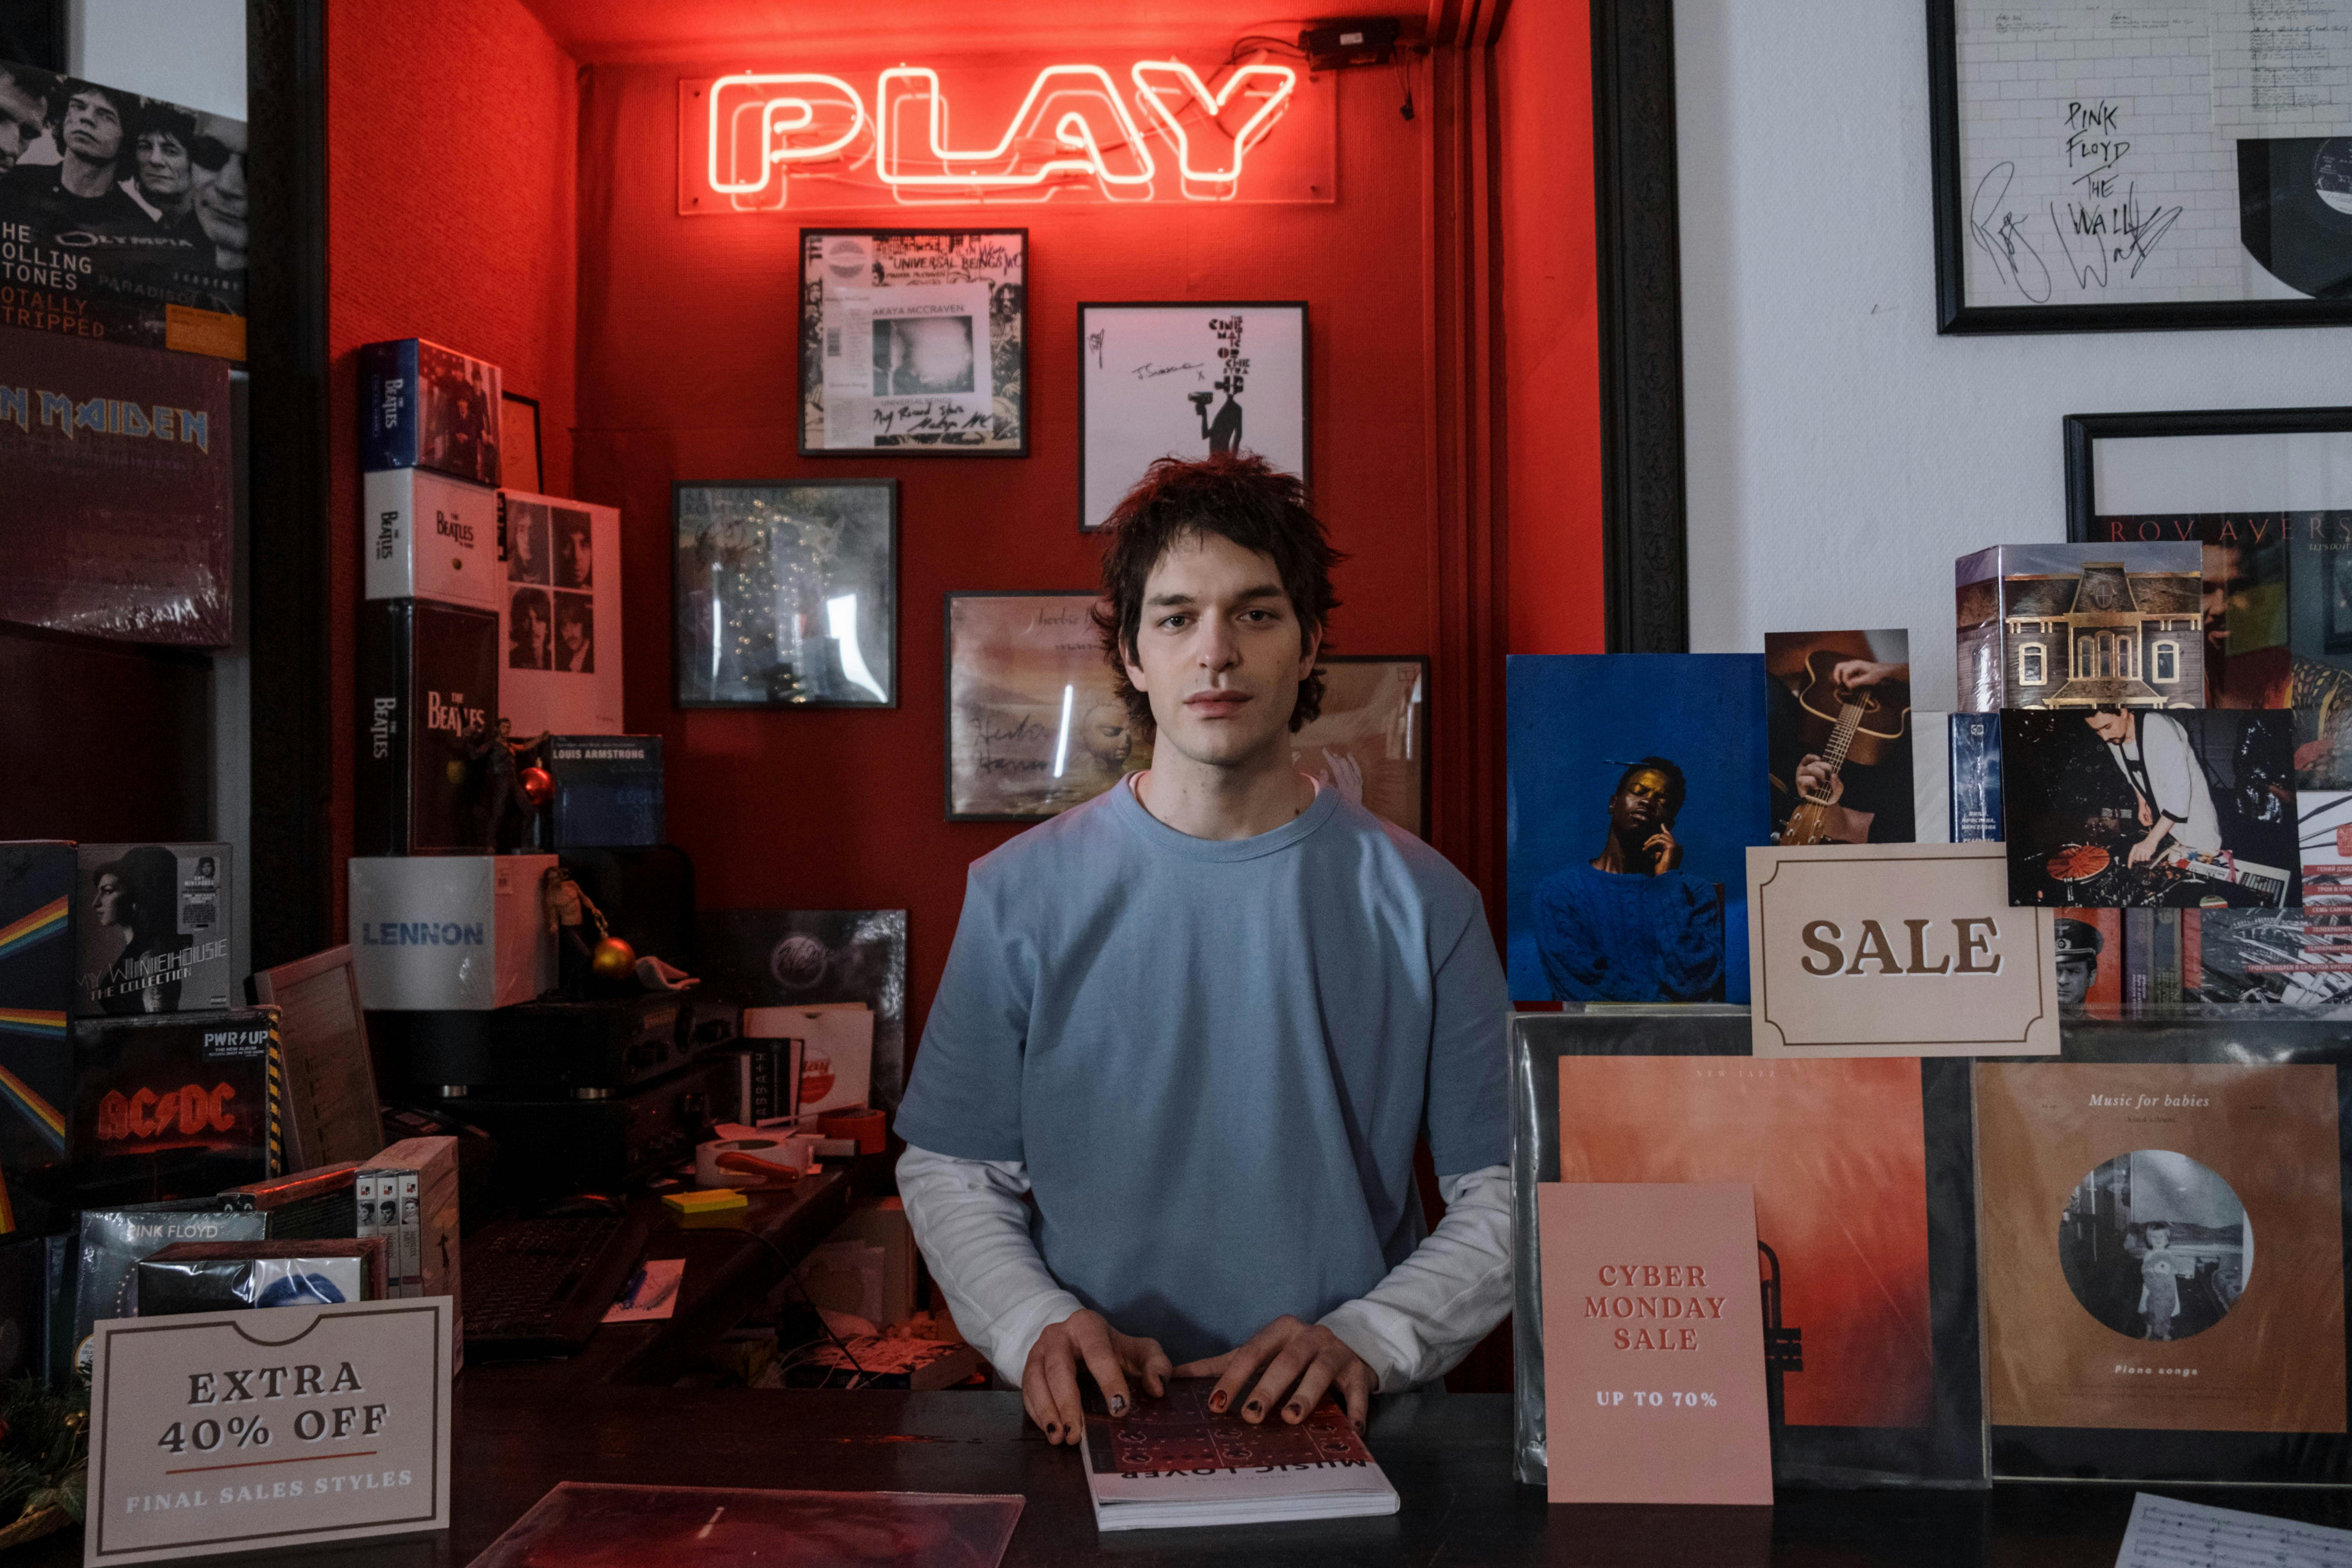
{"x":2077,"y":625}
{"x":2111,"y":806}
{"x":2164,"y":1269}
{"x":1838,"y":717}
{"x":114,"y":520}
{"x":1864,"y":1217}
{"x":1637,"y":783}
{"x":153,"y":931}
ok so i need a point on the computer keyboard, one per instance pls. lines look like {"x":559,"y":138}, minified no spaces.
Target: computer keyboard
{"x":538,"y":1288}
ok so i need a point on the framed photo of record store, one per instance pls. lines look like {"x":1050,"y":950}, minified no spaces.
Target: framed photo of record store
{"x":2104,"y":168}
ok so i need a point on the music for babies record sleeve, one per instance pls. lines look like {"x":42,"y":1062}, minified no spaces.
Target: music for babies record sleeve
{"x":2163,"y":1253}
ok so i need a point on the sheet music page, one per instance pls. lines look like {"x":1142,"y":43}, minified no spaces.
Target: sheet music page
{"x":2282,"y":68}
{"x":2165,"y":1533}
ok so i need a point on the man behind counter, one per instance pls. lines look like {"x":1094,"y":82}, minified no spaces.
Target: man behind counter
{"x":1203,"y":1018}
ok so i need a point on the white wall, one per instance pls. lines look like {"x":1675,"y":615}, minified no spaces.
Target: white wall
{"x":189,"y":51}
{"x":1841,"y":454}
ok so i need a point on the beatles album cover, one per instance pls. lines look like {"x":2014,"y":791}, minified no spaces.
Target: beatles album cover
{"x":2075,"y":626}
{"x":429,"y":536}
{"x":2164,"y":1247}
{"x":798,"y":958}
{"x":1637,"y":784}
{"x":114,"y":520}
{"x":1836,"y":1150}
{"x":153,"y":931}
{"x":2113,"y":807}
{"x":1371,"y":741}
{"x":157,"y":259}
{"x":425,"y":406}
{"x":559,"y":617}
{"x":428,"y":679}
{"x":1838,"y":717}
{"x":2301,"y":957}
{"x":1035,"y":724}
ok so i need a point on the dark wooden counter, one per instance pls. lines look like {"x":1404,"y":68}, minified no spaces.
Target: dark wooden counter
{"x":1448,"y":1455}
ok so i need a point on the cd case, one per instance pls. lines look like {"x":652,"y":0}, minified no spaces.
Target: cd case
{"x":1862,"y":1171}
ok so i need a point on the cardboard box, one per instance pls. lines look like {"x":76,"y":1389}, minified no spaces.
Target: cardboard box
{"x":421,"y":405}
{"x":449,"y":930}
{"x":428,"y":536}
{"x":560,"y":615}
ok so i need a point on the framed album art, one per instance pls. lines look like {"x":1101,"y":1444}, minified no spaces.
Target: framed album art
{"x":1184,"y":380}
{"x":787,"y":594}
{"x":1035,"y":721}
{"x":914,"y":343}
{"x":2164,"y":164}
{"x":2268,"y":493}
{"x":1371,"y":741}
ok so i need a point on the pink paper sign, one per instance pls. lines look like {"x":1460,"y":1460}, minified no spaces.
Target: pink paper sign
{"x":1653,"y":1343}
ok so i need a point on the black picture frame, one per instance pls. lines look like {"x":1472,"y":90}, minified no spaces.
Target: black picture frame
{"x":1305,"y":378}
{"x":681,"y":608}
{"x":538,"y":485}
{"x":1955,"y":316}
{"x":1087,"y":597}
{"x":809,"y":310}
{"x":2081,"y":430}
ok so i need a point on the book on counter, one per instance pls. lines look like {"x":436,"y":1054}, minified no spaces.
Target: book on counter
{"x":1168,"y":1462}
{"x":428,"y":675}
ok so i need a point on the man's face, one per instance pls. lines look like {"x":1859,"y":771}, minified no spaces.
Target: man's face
{"x":579,"y":554}
{"x":217,"y":172}
{"x":21,"y":121}
{"x":2225,"y":571}
{"x":1106,"y":734}
{"x":111,"y":902}
{"x":92,"y":128}
{"x":575,"y":633}
{"x":2115,"y":729}
{"x":1218,"y":651}
{"x":1638,"y":809}
{"x":2075,"y":976}
{"x":162,"y":165}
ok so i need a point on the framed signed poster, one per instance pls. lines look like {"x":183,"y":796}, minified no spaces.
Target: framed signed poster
{"x":1183,"y":381}
{"x":2140,"y":163}
{"x":914,"y":343}
{"x":1035,"y":724}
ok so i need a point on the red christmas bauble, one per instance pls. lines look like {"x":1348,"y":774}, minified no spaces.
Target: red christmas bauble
{"x":612,"y":959}
{"x":538,"y":786}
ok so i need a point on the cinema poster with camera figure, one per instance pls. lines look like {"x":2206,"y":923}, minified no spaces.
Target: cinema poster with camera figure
{"x":914,"y":343}
{"x":121,"y":218}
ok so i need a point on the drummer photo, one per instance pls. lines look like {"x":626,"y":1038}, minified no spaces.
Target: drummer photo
{"x":2112,"y":807}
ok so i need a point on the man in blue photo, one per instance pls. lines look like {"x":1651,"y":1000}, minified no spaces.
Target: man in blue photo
{"x":1629,"y":925}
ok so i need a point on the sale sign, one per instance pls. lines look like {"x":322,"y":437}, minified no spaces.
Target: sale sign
{"x":1653,"y":1343}
{"x":233,"y":1431}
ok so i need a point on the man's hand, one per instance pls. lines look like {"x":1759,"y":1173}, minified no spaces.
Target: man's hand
{"x":1858,"y":674}
{"x":2147,"y":817}
{"x":1301,"y":1362}
{"x":1669,"y":853}
{"x":1817,"y":781}
{"x":1049,"y":1383}
{"x":2146,"y":849}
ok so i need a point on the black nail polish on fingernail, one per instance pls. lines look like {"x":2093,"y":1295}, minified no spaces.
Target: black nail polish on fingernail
{"x":1294,"y":1413}
{"x":1119,"y":1405}
{"x":1052,"y":1430}
{"x":1251,"y":1407}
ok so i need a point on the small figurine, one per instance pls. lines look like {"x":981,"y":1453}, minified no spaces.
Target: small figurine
{"x":505,"y":792}
{"x":567,"y":907}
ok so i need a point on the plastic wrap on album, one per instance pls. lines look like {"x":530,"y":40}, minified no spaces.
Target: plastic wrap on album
{"x":1864,"y":1209}
{"x":2165,"y":1267}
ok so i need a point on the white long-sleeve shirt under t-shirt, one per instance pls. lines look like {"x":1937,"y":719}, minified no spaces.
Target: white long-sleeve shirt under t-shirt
{"x":1422,"y":1318}
{"x":2163,"y":750}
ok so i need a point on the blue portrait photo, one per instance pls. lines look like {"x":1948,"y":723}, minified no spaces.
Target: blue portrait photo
{"x":1637,"y":784}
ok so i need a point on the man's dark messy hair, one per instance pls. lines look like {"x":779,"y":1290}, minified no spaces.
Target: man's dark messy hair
{"x":1234,"y":497}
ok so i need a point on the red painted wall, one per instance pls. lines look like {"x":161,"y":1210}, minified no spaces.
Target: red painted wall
{"x":688,"y":370}
{"x":1551,"y":345}
{"x":451,"y":157}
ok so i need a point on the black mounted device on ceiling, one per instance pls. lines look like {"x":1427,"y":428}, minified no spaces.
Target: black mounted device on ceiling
{"x":1359,"y":41}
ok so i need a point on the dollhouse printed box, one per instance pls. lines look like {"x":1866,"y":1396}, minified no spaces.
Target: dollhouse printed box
{"x":2078,"y":625}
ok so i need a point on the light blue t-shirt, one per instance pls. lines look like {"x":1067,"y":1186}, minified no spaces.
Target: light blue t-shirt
{"x":1215,"y":1056}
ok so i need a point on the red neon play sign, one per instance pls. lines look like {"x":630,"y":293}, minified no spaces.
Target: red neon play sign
{"x":903,"y":136}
